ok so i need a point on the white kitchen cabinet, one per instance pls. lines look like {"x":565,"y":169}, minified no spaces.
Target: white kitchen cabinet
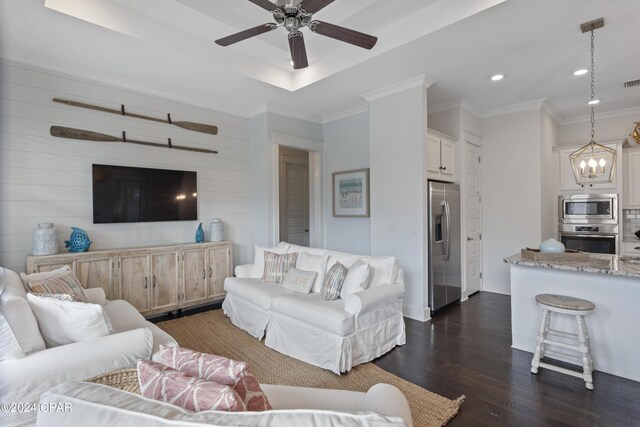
{"x":631,"y":179}
{"x":568,"y":179}
{"x":441,"y":156}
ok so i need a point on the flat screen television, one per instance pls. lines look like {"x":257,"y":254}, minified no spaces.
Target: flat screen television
{"x":126,"y":194}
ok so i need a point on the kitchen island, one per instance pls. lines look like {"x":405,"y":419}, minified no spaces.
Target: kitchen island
{"x":611,"y":284}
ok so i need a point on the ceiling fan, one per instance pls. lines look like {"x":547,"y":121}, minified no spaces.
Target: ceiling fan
{"x":294,"y":15}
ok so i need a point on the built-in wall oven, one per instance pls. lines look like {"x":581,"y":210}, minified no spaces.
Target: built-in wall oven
{"x":589,"y":222}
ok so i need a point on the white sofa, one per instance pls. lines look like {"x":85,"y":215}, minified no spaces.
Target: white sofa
{"x":334,"y":335}
{"x":24,"y":380}
{"x":101,"y":406}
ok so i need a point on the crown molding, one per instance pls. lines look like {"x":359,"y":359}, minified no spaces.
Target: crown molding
{"x":257,"y":110}
{"x":345,"y":113}
{"x":603,"y":115}
{"x":420,"y":81}
{"x":535,"y":104}
{"x":463,"y":104}
{"x":264,"y":107}
{"x":552,"y":111}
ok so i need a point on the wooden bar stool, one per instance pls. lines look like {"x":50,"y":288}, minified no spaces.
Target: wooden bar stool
{"x":574,"y":307}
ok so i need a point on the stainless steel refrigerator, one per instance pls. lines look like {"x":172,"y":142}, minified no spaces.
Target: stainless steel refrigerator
{"x":445,"y":269}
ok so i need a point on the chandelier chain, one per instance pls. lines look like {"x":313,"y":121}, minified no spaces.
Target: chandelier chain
{"x":592,"y":85}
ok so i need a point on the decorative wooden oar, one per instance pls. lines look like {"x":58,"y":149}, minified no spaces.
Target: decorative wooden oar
{"x":197,"y":127}
{"x":86,"y":135}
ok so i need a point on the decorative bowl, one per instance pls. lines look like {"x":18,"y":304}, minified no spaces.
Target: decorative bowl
{"x":551,"y":246}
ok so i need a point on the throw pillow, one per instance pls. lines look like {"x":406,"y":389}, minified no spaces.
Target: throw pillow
{"x":166,"y":384}
{"x":357,"y":279}
{"x":299,"y":280}
{"x":333,"y":281}
{"x":258,"y":260}
{"x":383,"y":270}
{"x":66,"y":322}
{"x":220,"y":370}
{"x":276,"y":266}
{"x":202,"y":365}
{"x":60,"y":281}
{"x":22,"y":324}
{"x":317,"y":263}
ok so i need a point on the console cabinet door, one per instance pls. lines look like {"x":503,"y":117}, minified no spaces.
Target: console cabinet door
{"x":219,"y":269}
{"x":135,"y":281}
{"x":195,"y":276}
{"x":165,"y":280}
{"x":98,"y":273}
{"x":45,"y":266}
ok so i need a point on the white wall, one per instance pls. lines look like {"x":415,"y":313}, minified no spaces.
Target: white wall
{"x":47,"y":179}
{"x":397,"y":129}
{"x":263,"y":168}
{"x":549,"y":137}
{"x":346,"y":147}
{"x":511,"y":182}
{"x":447,"y":122}
{"x":607,"y":129}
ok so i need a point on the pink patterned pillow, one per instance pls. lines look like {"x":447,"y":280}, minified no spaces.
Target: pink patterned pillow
{"x":219,"y":369}
{"x":165,"y":384}
{"x":202,"y":365}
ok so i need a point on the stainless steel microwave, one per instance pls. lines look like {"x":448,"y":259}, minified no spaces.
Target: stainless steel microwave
{"x":588,"y":209}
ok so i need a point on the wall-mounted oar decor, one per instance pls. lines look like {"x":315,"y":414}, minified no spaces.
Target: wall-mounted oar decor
{"x":197,"y":127}
{"x":86,"y":135}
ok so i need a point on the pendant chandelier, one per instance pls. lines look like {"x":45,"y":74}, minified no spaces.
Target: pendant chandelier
{"x":594,"y":162}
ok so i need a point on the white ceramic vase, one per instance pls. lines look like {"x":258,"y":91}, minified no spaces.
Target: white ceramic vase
{"x":45,"y":239}
{"x":552,"y":246}
{"x":216,"y":230}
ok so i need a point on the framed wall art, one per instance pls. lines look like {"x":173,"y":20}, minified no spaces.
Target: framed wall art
{"x":351,"y":193}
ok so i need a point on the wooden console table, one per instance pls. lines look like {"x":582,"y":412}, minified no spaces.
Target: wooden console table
{"x":154,"y":279}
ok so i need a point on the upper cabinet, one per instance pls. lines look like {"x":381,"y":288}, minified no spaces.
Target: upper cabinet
{"x":441,"y":156}
{"x":568,"y":180}
{"x":631,"y":179}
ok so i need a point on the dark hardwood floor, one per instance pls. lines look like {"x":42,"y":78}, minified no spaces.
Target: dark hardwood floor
{"x":466,"y":349}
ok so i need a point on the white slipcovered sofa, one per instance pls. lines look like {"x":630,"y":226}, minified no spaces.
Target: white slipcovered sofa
{"x":334,"y":335}
{"x":23,"y":380}
{"x":101,"y":406}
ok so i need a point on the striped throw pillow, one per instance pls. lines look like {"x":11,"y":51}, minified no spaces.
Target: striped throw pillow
{"x":60,"y":281}
{"x":333,"y":281}
{"x":276,"y":266}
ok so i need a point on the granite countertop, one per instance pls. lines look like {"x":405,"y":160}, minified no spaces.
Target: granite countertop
{"x":597,"y":263}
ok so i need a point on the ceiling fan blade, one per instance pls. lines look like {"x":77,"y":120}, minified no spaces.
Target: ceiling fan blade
{"x":265,"y":4}
{"x":343,"y":34}
{"x":298,"y":50}
{"x":242,"y":35}
{"x":312,"y":6}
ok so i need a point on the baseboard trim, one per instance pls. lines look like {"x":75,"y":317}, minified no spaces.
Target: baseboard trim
{"x":417,"y":313}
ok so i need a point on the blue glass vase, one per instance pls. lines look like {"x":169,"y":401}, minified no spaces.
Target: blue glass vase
{"x":200,"y":234}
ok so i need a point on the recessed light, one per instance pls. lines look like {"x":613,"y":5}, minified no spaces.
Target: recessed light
{"x":594,"y":102}
{"x":580,"y":72}
{"x":291,"y":62}
{"x":497,"y":77}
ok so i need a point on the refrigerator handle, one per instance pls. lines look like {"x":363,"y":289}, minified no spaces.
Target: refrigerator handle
{"x":448,"y":216}
{"x":445,"y":230}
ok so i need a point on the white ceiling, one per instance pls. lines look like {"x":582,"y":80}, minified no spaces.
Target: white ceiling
{"x":166,"y":47}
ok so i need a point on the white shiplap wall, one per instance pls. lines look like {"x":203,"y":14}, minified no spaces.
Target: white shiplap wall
{"x":47,"y":179}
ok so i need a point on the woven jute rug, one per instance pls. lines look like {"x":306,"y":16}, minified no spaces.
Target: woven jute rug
{"x":212,"y":332}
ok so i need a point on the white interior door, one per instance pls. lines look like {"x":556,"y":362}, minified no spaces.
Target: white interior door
{"x":473,"y":245}
{"x":294,"y":196}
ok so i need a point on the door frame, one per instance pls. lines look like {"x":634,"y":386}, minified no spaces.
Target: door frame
{"x":471,"y":139}
{"x":314,"y":147}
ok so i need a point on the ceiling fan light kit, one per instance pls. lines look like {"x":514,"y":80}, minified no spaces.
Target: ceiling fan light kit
{"x":295,"y":15}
